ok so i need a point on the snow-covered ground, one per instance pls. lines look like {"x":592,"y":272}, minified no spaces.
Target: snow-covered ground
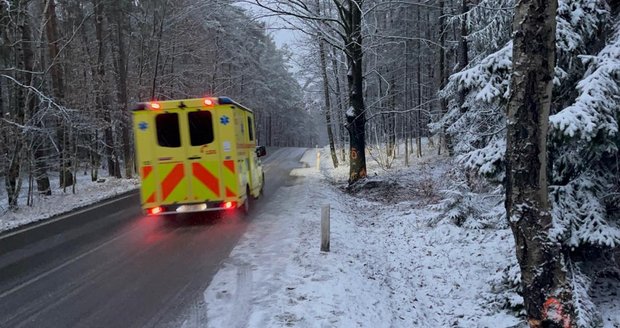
{"x":86,"y":193}
{"x":386,"y":267}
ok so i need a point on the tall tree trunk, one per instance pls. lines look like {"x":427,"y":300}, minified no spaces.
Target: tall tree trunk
{"x":328,"y":106}
{"x":407,"y":93}
{"x":391,"y":118}
{"x":158,"y":52}
{"x":419,"y":82}
{"x":340,"y":88}
{"x":24,"y":59}
{"x":32,"y":109}
{"x":39,"y":167}
{"x":93,"y":137}
{"x":356,"y":116}
{"x":444,"y":138}
{"x":58,"y":88}
{"x":121,"y":88}
{"x":547,"y":292}
{"x":463,"y":51}
{"x":104,"y":106}
{"x":51,"y":31}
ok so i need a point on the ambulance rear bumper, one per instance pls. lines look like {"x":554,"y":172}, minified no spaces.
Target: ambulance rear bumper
{"x":190,"y":208}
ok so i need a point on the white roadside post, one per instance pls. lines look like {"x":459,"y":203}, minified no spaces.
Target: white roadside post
{"x":325,"y":228}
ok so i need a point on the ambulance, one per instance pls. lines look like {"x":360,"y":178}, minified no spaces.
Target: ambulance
{"x":197,"y":155}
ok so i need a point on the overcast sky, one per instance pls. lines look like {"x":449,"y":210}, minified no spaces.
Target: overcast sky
{"x":277,"y":26}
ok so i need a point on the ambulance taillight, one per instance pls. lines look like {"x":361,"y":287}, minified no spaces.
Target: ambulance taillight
{"x":155,"y":210}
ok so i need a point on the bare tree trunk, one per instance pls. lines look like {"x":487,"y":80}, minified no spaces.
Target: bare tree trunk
{"x":158,"y":52}
{"x":406,"y":151}
{"x":12,"y":180}
{"x":444,"y":138}
{"x":356,"y":117}
{"x":463,"y":51}
{"x":328,"y":106}
{"x":108,"y":133}
{"x":93,"y":137}
{"x":51,"y":30}
{"x":56,"y":72}
{"x":419,"y":82}
{"x":121,"y":89}
{"x":340,"y":97}
{"x":547,"y":292}
{"x":24,"y":60}
{"x":40,"y":168}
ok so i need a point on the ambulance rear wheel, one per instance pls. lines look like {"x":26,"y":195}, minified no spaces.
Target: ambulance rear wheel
{"x":262,"y":187}
{"x":245,"y":208}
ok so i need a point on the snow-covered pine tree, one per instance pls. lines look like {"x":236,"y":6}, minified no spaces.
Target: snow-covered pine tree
{"x":583,"y":139}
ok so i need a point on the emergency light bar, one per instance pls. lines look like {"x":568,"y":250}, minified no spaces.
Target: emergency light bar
{"x":157,"y":105}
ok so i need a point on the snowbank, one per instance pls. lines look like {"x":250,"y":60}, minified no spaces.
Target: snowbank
{"x":87,"y":193}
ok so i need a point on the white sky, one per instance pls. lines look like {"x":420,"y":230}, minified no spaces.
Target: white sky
{"x":277,"y":26}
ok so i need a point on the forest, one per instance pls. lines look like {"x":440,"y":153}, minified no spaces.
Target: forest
{"x":69,"y":71}
{"x":379,"y":73}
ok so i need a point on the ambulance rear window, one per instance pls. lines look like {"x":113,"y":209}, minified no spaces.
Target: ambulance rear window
{"x":200,"y":128}
{"x":168,"y":130}
{"x":250,"y":128}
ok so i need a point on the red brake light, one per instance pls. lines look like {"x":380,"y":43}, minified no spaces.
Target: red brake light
{"x":208,"y":102}
{"x":228,"y":205}
{"x":155,"y":210}
{"x":155,"y":105}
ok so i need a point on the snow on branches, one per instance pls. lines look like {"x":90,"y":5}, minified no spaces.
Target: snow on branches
{"x":595,"y":110}
{"x":583,"y":135}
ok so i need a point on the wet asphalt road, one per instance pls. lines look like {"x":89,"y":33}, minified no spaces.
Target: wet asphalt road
{"x":110,"y":266}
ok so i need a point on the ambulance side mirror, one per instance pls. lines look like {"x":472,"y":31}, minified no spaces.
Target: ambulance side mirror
{"x":261,"y":151}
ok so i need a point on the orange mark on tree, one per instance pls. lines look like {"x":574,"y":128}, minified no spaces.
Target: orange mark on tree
{"x":554,"y":310}
{"x":353,"y":153}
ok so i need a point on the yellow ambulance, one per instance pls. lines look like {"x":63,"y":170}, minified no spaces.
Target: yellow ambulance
{"x":196,"y":155}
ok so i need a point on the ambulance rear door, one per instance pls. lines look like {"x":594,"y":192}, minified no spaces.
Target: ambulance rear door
{"x":169,"y":171}
{"x":203,"y":156}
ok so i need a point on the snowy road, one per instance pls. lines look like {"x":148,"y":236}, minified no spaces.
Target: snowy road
{"x":121,"y":269}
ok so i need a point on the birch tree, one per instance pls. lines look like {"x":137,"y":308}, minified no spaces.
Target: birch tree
{"x":546,"y":291}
